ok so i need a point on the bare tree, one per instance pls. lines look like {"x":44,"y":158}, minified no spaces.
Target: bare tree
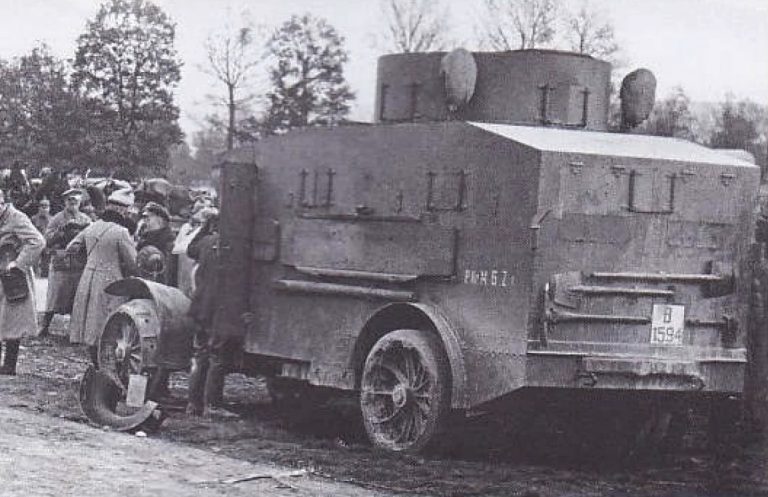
{"x":520,"y":24}
{"x":415,"y":25}
{"x":233,"y":55}
{"x":589,"y":32}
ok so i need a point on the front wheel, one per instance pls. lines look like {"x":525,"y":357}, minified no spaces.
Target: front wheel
{"x":120,"y":348}
{"x":405,"y":390}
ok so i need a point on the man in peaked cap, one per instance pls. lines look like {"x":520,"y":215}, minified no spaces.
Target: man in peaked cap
{"x":65,"y":269}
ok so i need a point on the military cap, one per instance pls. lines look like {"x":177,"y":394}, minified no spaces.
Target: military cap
{"x":72,"y":192}
{"x":156,"y":209}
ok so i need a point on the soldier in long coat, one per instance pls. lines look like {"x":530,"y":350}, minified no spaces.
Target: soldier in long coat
{"x":213,"y":353}
{"x":64,"y":273}
{"x":155,"y":231}
{"x":18,"y":319}
{"x":111,"y":256}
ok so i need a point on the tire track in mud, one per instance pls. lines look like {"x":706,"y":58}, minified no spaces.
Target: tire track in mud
{"x":325,"y":445}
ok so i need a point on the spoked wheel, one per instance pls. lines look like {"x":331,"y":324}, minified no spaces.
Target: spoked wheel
{"x":405,"y":390}
{"x":120,"y":349}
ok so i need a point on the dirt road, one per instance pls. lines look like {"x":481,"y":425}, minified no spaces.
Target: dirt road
{"x":43,"y":456}
{"x":47,"y":430}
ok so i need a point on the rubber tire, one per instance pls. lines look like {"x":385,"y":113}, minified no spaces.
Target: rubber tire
{"x":433,"y":358}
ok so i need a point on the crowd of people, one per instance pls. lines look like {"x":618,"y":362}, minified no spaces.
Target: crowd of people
{"x":82,"y":250}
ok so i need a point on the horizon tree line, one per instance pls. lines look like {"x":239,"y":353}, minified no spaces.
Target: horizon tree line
{"x":111,"y":107}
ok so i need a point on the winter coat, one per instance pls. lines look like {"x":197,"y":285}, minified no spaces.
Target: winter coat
{"x":41,"y":221}
{"x":185,"y":264}
{"x":62,"y":283}
{"x":162,"y":240}
{"x":111,"y":256}
{"x":19,"y":319}
{"x":204,"y":248}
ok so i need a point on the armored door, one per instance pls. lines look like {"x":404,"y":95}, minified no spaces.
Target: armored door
{"x":236,"y":225}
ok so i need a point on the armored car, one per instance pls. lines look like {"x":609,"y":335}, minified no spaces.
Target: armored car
{"x":487,"y":236}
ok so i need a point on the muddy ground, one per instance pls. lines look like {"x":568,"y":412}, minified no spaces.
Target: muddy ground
{"x":481,"y":463}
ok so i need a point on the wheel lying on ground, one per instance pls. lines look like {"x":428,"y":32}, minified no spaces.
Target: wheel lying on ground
{"x":405,"y":390}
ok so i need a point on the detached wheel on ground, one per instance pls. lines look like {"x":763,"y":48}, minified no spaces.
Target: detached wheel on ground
{"x":405,"y":390}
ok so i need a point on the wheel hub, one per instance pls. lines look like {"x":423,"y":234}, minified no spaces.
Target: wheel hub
{"x":120,"y":353}
{"x":400,"y":395}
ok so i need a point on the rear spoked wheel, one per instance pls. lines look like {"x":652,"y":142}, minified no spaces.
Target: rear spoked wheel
{"x":405,"y":391}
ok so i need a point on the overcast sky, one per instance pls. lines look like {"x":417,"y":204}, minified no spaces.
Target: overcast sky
{"x":709,"y":47}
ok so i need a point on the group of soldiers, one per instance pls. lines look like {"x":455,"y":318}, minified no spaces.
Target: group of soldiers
{"x":84,"y":252}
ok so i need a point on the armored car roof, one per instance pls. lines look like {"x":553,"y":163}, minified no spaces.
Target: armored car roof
{"x":612,"y":144}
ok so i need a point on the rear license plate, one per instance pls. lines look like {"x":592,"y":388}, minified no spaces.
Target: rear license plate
{"x":667,"y":324}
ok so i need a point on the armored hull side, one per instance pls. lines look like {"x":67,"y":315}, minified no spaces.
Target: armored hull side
{"x":353,"y":220}
{"x":544,"y":262}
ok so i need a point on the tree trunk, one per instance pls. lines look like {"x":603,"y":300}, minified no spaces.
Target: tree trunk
{"x":756,"y":387}
{"x":231,"y":127}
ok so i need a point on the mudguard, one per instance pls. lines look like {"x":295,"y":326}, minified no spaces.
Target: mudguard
{"x":159,"y":311}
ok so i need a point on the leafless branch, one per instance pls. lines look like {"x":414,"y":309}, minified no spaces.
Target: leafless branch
{"x":520,"y":24}
{"x":588,"y":32}
{"x":234,"y":54}
{"x":415,"y":25}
